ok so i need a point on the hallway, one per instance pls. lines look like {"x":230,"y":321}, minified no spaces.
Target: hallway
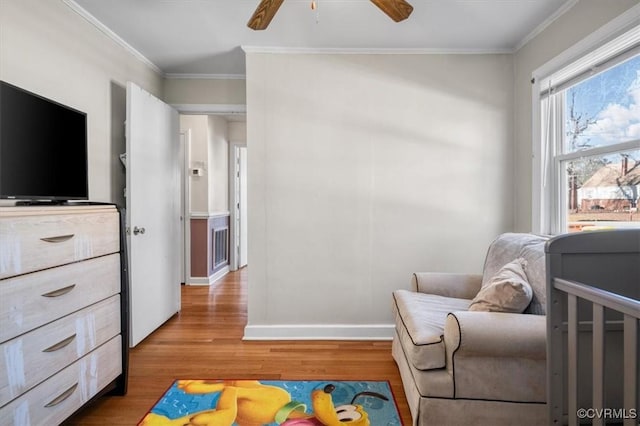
{"x":204,"y":341}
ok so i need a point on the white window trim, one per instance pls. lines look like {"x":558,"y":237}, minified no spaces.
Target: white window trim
{"x":545,"y":212}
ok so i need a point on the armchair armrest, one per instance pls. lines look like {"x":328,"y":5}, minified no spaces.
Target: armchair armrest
{"x":460,"y":286}
{"x":496,"y":334}
{"x":499,"y":356}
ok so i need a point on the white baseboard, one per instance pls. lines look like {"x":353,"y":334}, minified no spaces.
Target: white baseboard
{"x":211,"y":280}
{"x":198,"y":281}
{"x":221,"y":273}
{"x":319,"y":332}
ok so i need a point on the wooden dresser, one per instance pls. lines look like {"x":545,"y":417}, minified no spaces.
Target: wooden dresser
{"x":62,"y":310}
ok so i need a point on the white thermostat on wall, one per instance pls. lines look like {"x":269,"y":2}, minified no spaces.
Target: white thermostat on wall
{"x":196,"y":172}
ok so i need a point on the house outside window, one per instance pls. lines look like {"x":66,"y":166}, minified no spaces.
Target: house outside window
{"x":590,"y":141}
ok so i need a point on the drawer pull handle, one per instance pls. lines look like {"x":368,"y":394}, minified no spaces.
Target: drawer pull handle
{"x":58,"y":239}
{"x":59,"y":292}
{"x":60,"y":344}
{"x":64,"y":395}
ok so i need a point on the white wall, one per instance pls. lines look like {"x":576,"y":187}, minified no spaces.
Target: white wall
{"x":366,"y":168}
{"x":48,"y":49}
{"x":204,"y":91}
{"x":218,"y":165}
{"x":198,"y":158}
{"x":238,"y":132}
{"x":209,"y":151}
{"x":570,"y":28}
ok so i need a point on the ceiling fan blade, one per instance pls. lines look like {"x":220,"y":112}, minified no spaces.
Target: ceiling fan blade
{"x":398,"y":10}
{"x":264,"y":13}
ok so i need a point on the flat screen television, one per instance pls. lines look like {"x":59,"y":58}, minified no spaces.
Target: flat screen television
{"x":43,"y":148}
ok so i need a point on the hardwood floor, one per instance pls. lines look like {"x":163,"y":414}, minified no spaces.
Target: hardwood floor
{"x":204,"y":341}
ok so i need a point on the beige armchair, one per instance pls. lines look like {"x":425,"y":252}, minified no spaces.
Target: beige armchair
{"x":462,"y":367}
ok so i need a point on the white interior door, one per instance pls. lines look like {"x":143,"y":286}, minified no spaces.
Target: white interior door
{"x":153,"y":211}
{"x":243,"y":252}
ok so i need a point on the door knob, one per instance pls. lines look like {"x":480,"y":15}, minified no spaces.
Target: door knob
{"x":137,"y":230}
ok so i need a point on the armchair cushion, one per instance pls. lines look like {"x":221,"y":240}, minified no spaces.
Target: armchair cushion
{"x":507,"y":291}
{"x":420,"y":320}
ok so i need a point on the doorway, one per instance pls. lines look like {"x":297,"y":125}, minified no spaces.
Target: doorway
{"x":238,"y":195}
{"x":214,"y":209}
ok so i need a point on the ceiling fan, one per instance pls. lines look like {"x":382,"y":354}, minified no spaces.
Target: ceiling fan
{"x":397,"y":10}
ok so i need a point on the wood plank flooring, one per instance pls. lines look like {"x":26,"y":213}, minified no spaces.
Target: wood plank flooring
{"x":204,"y":341}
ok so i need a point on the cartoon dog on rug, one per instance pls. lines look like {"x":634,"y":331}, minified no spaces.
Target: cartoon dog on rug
{"x":325,"y":413}
{"x":250,"y":403}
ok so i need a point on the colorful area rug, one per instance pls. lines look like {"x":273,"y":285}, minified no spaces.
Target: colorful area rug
{"x":272,"y":403}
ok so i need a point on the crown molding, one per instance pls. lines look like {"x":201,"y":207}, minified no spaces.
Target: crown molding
{"x":550,"y":20}
{"x":185,"y":76}
{"x":371,"y":51}
{"x":113,"y":36}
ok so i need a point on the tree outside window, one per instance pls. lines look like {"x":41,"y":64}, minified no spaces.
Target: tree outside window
{"x":601,"y":174}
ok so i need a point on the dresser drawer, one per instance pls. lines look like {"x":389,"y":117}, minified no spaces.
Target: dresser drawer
{"x":31,"y":300}
{"x":32,"y":357}
{"x":61,"y":395}
{"x":31,"y":242}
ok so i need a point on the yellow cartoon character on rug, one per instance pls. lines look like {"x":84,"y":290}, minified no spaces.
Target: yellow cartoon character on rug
{"x":251,"y":403}
{"x":326,"y":414}
{"x":245,"y":402}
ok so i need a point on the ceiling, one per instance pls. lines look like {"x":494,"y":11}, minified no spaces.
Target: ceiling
{"x":205,"y":36}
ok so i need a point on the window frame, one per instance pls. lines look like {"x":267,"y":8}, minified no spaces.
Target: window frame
{"x":549,"y":183}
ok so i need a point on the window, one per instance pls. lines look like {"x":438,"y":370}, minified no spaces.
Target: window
{"x":590,"y":143}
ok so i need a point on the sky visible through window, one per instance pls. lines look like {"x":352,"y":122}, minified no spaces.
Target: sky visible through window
{"x":606,"y":108}
{"x":603,"y":111}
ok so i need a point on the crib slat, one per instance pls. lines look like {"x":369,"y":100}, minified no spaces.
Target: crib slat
{"x":630,"y":366}
{"x":572,"y":359}
{"x":598,"y":361}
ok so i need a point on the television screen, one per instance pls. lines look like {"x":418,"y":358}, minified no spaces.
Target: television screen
{"x":43,"y":148}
